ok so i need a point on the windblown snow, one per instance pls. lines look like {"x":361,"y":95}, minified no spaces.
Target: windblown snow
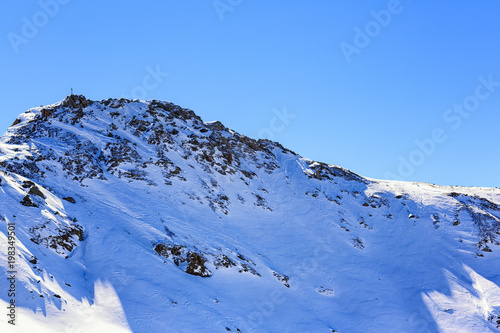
{"x":138,"y":216}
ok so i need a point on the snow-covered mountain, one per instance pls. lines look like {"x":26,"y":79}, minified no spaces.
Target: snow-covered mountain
{"x":138,"y":216}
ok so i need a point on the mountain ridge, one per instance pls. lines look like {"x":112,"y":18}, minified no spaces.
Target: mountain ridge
{"x":93,"y":184}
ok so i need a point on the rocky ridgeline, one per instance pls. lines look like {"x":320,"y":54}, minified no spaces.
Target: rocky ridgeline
{"x":485,"y":215}
{"x":163,"y":125}
{"x":129,"y":139}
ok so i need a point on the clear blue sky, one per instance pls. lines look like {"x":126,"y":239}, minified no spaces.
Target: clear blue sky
{"x":359,"y":99}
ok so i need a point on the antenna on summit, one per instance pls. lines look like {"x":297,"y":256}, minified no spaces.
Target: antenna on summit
{"x":71,"y":91}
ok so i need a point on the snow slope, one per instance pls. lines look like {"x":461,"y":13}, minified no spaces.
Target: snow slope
{"x":138,"y":216}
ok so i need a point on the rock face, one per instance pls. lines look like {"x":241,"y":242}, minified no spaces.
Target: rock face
{"x":36,"y":191}
{"x":222,"y":232}
{"x":69,"y":199}
{"x":197,"y":265}
{"x":28,"y":202}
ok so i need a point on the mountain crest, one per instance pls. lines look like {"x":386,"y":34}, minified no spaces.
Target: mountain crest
{"x":118,"y":201}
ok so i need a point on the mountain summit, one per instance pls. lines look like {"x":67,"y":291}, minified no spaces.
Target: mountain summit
{"x":138,"y":216}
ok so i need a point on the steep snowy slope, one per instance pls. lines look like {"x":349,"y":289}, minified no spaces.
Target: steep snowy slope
{"x":138,"y":216}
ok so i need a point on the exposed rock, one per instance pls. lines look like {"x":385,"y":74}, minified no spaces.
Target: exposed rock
{"x":282,"y":278}
{"x":78,"y":101}
{"x":197,"y":265}
{"x":358,"y":243}
{"x":327,"y":292}
{"x":324,"y":171}
{"x":224,"y":261}
{"x":36,"y":191}
{"x":27,"y":184}
{"x":215,"y":125}
{"x":45,"y":113}
{"x":69,"y":199}
{"x":63,"y":239}
{"x":28,"y":202}
{"x":16,"y":122}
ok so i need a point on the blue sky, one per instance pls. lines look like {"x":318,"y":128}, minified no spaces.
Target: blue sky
{"x":389,"y":89}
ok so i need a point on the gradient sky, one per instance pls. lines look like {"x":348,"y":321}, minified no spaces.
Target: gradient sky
{"x":402,"y":97}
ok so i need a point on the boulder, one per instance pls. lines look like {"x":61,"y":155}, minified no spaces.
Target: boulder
{"x":36,"y":191}
{"x":69,"y":199}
